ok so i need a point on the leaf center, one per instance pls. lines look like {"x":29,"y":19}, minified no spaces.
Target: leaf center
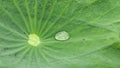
{"x":34,"y":40}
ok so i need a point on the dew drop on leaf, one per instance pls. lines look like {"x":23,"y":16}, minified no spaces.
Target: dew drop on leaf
{"x":62,"y":35}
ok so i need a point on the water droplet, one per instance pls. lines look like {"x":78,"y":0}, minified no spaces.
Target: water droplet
{"x":33,"y":40}
{"x":62,"y":35}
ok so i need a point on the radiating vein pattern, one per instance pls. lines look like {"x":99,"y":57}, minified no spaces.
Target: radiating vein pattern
{"x":55,"y":33}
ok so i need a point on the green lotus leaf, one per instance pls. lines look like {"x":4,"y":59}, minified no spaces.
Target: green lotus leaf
{"x":59,"y":33}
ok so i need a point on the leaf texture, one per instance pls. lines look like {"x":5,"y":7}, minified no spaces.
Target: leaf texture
{"x":93,"y":26}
